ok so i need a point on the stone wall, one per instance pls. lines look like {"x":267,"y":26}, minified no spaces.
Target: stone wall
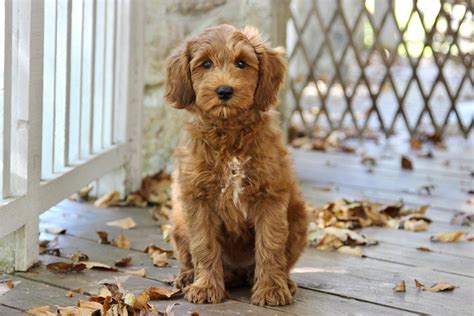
{"x":167,"y":23}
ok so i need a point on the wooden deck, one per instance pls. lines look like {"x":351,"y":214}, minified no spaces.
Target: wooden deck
{"x":330,"y":283}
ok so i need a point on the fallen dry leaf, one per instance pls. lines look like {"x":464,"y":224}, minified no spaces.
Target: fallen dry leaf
{"x":124,"y":223}
{"x":160,"y":259}
{"x":141,"y":301}
{"x":64,"y":267}
{"x":40,"y":311}
{"x":55,"y":230}
{"x":470,"y":201}
{"x":425,"y":249}
{"x":152,"y":248}
{"x":135,"y":199}
{"x":121,"y":242}
{"x":437,"y":287}
{"x":98,"y":266}
{"x":159,"y":293}
{"x":352,"y":251}
{"x":415,"y":225}
{"x":140,"y":272}
{"x":10,"y":284}
{"x":470,"y":239}
{"x":124,"y":262}
{"x":161,"y":212}
{"x":166,"y":231}
{"x":107,"y":200}
{"x":453,"y":236}
{"x":415,"y":143}
{"x":79,"y":256}
{"x":400,"y":287}
{"x":462,"y":218}
{"x":93,"y":306}
{"x":406,"y":163}
{"x":69,"y":294}
{"x":103,"y":237}
{"x":418,"y":284}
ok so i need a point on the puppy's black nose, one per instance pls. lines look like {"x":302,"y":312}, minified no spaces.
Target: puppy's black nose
{"x":224,"y":92}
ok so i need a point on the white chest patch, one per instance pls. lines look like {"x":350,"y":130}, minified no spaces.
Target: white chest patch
{"x":234,"y":178}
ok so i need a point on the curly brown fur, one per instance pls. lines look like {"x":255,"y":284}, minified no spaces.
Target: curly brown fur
{"x":238,"y":212}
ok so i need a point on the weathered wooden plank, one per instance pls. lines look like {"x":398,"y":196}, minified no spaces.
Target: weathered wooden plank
{"x":28,"y":294}
{"x":372,"y":280}
{"x":390,"y":162}
{"x":401,"y":181}
{"x":7,"y":311}
{"x":457,"y":148}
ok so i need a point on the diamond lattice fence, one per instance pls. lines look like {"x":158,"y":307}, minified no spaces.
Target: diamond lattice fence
{"x":387,"y":65}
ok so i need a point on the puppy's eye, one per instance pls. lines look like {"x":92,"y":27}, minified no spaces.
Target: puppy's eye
{"x":241,"y":64}
{"x":207,"y":64}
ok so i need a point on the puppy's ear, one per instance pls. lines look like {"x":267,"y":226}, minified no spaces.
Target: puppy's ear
{"x":271,"y":69}
{"x":179,"y":90}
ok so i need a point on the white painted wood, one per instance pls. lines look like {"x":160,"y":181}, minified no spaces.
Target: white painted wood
{"x":74,"y":118}
{"x":49,"y":87}
{"x":87,"y":83}
{"x":26,"y":123}
{"x":107,"y":119}
{"x":6,"y":99}
{"x":121,"y":69}
{"x":119,"y":163}
{"x":56,"y":189}
{"x":134,"y":34}
{"x":61,"y":105}
{"x":99,"y":77}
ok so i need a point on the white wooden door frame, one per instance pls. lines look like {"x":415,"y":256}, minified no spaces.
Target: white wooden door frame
{"x":26,"y":193}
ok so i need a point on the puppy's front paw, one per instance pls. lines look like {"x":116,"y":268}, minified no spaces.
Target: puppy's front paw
{"x":292,"y":286}
{"x":275,"y":296}
{"x":199,"y":294}
{"x":183,"y":279}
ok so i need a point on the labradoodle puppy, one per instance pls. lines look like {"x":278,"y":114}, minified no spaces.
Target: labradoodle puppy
{"x":238,"y":215}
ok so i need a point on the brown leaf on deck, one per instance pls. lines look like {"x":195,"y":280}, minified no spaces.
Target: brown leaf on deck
{"x":159,"y":293}
{"x":152,"y":248}
{"x":400,"y":287}
{"x":462,"y":218}
{"x":103,"y":237}
{"x":108,"y":200}
{"x":98,"y":266}
{"x":124,"y":223}
{"x":155,"y":188}
{"x":40,"y":311}
{"x":453,"y":236}
{"x":55,"y":230}
{"x":418,"y":284}
{"x":124,"y":262}
{"x":160,"y":259}
{"x":140,"y":272}
{"x":415,"y":143}
{"x":166,"y":231}
{"x":135,"y":199}
{"x":437,"y":287}
{"x":65,"y":267}
{"x":470,"y":239}
{"x":417,"y":225}
{"x":10,"y":284}
{"x":79,"y":256}
{"x":121,"y":242}
{"x":351,"y":251}
{"x":425,"y":249}
{"x":161,"y":212}
{"x":406,"y":163}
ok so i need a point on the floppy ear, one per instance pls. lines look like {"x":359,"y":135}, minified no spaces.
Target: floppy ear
{"x":179,"y":90}
{"x":271,"y":69}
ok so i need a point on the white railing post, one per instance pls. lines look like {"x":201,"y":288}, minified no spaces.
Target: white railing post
{"x":26,"y":130}
{"x":135,"y":45}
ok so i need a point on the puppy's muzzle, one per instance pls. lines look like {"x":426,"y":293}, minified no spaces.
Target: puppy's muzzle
{"x":224,"y":92}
